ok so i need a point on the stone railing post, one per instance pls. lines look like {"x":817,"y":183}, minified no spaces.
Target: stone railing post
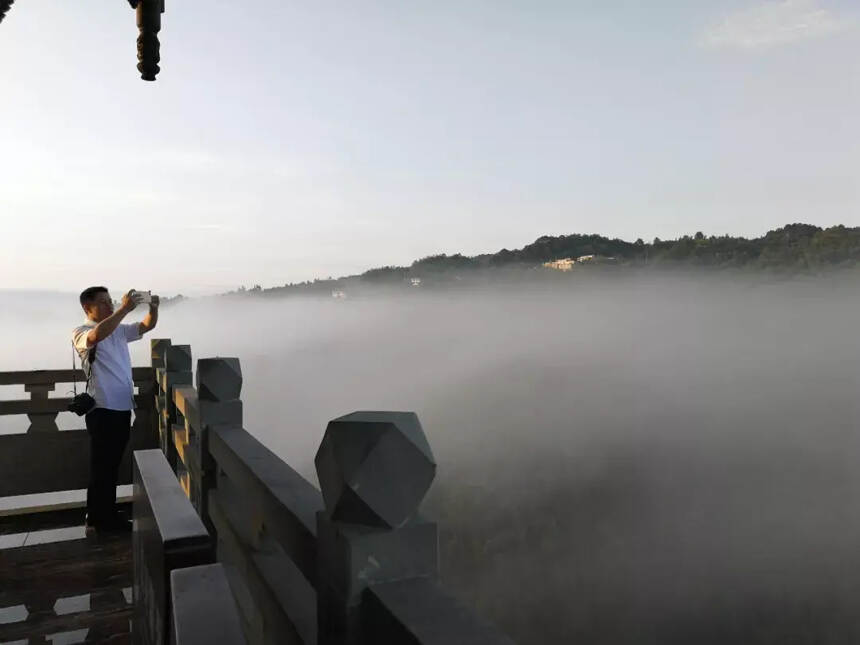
{"x":219,"y":386}
{"x":374,"y":469}
{"x":158,"y":349}
{"x":177,"y":371}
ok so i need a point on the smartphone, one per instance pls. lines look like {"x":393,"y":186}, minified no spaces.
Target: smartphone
{"x":142,"y":297}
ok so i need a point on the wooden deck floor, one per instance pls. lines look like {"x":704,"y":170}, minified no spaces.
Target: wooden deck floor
{"x":60,"y":586}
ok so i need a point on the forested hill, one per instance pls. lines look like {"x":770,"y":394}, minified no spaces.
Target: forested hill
{"x":793,"y":248}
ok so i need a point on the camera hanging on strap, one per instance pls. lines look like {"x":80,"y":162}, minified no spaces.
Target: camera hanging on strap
{"x":83,"y":402}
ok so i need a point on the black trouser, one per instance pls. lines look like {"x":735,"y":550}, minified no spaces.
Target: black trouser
{"x":109,"y":431}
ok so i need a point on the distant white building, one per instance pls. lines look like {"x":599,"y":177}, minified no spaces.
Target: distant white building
{"x":567,"y":264}
{"x":595,"y":259}
{"x":416,"y":282}
{"x":564,"y":264}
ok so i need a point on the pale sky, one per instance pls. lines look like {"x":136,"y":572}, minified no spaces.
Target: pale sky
{"x":284,"y":141}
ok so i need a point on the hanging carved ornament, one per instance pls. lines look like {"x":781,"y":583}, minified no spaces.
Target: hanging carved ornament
{"x":148,"y":24}
{"x":4,"y":7}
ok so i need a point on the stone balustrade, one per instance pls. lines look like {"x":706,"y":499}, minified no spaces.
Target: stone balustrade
{"x":59,"y":460}
{"x":225,"y":528}
{"x":352,"y":563}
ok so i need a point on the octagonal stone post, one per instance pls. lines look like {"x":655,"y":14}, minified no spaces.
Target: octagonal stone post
{"x":158,"y":349}
{"x":176,"y":372}
{"x":374,"y":469}
{"x":219,"y":386}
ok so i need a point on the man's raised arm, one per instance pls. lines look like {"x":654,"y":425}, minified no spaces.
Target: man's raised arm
{"x":107,"y":326}
{"x":149,"y":320}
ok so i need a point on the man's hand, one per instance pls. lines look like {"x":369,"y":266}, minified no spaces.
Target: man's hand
{"x":107,"y":326}
{"x":128,"y":302}
{"x":151,"y":319}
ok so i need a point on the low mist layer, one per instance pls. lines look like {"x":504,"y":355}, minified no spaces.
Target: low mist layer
{"x":631,"y":460}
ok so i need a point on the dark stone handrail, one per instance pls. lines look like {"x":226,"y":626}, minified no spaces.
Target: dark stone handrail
{"x":288,"y":503}
{"x":47,"y":377}
{"x":168,"y":534}
{"x":419,"y":611}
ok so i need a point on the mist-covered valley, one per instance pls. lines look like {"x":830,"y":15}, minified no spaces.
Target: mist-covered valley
{"x":627,"y":459}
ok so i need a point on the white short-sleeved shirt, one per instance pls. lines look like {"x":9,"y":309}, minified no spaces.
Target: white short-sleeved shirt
{"x":111,"y":384}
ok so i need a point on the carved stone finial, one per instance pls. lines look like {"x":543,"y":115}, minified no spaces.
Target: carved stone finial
{"x":158,"y":348}
{"x":219,"y":379}
{"x":374,"y":468}
{"x":148,"y":48}
{"x":177,"y":358}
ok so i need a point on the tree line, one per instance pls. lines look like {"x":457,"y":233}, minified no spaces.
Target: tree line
{"x":792,"y":248}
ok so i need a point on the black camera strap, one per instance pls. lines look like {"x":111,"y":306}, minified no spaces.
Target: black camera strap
{"x":88,"y":369}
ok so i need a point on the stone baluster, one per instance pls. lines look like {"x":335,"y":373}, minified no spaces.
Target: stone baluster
{"x":374,"y":469}
{"x":41,"y":421}
{"x":177,"y":371}
{"x":158,"y":349}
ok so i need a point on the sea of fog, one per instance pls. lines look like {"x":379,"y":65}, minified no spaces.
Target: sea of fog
{"x":631,"y":460}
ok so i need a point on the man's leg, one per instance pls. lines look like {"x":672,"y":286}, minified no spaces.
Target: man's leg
{"x":98,"y":492}
{"x":119,"y":431}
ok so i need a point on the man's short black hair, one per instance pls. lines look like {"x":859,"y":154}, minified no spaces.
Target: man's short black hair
{"x":89,"y":294}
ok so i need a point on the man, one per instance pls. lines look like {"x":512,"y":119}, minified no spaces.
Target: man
{"x":110,"y":384}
